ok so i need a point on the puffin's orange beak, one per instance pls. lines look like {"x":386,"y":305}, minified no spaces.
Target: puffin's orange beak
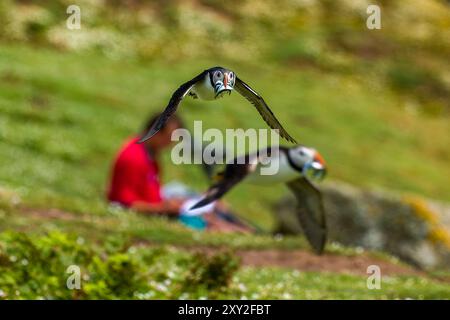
{"x":320,"y":166}
{"x":221,"y":87}
{"x":318,"y":158}
{"x":225,"y":80}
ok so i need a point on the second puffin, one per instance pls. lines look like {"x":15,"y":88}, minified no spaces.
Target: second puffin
{"x":210,"y":85}
{"x":296,"y":167}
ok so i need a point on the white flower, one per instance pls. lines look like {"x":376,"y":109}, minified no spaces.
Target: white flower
{"x":184,"y":296}
{"x":287,"y":295}
{"x":242,"y":287}
{"x":160,"y":287}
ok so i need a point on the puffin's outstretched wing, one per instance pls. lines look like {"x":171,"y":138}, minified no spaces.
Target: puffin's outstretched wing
{"x":310,"y":212}
{"x":263,"y":109}
{"x":233,"y":174}
{"x":174,"y":102}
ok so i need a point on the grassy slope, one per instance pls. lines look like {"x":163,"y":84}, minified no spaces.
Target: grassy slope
{"x":159,"y":273}
{"x":64,"y":115}
{"x":312,"y":285}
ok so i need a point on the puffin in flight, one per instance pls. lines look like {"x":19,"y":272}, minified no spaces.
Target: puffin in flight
{"x":210,"y":85}
{"x":297,"y":166}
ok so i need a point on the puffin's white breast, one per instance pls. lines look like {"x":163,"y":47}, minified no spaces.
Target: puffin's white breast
{"x":204,"y":90}
{"x":279,"y":168}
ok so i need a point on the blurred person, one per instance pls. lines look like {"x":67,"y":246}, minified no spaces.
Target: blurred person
{"x":135,"y":183}
{"x":135,"y":179}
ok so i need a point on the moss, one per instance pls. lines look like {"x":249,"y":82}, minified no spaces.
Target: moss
{"x":421,"y":209}
{"x":437,"y":233}
{"x":440,"y":235}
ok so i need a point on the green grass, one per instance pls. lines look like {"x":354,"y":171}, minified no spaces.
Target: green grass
{"x":35,"y":267}
{"x":65,"y":115}
{"x":276,"y":283}
{"x":135,"y":228}
{"x":374,"y":102}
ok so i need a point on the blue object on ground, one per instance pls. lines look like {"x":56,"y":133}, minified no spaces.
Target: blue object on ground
{"x":194,"y":218}
{"x":194,"y":222}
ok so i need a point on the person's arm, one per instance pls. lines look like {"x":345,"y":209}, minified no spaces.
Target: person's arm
{"x":168,"y":207}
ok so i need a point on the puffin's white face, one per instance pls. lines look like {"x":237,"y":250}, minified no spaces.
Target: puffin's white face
{"x":222,"y":81}
{"x":310,"y":160}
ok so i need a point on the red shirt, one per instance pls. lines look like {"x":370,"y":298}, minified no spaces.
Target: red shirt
{"x":135,"y":176}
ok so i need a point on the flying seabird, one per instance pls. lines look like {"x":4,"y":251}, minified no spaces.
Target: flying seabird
{"x":210,"y":85}
{"x":297,"y":166}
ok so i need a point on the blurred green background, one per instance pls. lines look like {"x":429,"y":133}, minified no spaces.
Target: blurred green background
{"x":374,"y":102}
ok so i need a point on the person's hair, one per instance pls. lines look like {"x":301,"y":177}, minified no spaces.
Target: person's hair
{"x":173,"y":118}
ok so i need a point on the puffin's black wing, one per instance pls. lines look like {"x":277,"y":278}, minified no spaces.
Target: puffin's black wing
{"x":263,"y":109}
{"x":310,"y":212}
{"x":175,"y":100}
{"x":233,"y":174}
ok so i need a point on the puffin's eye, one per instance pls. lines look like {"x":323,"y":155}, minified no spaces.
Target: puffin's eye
{"x":231,"y":78}
{"x":219,"y":75}
{"x":302,"y":153}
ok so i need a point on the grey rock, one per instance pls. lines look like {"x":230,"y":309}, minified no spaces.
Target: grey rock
{"x":377,"y":220}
